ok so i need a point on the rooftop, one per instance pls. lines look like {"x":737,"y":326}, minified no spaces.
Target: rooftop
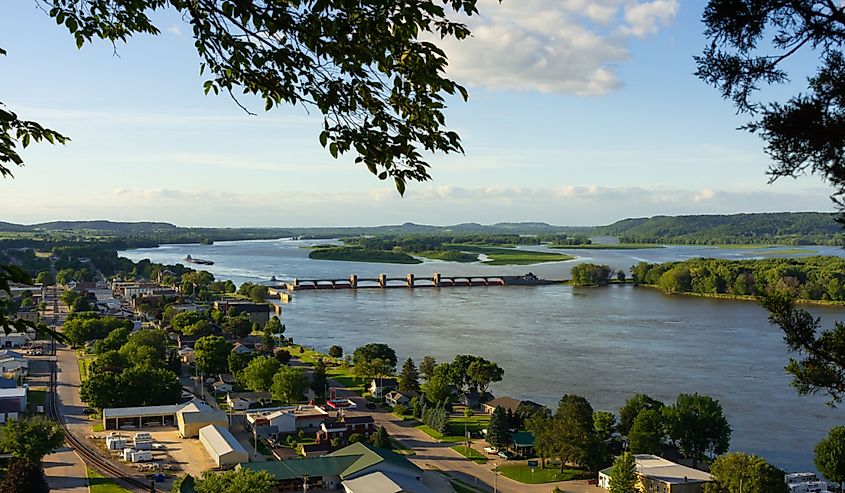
{"x":667,"y":471}
{"x":221,"y":440}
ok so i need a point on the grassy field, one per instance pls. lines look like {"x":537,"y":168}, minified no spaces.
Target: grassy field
{"x":456,"y":428}
{"x":524,"y":474}
{"x":35,"y":397}
{"x":84,"y":360}
{"x":343,"y":375}
{"x":101,"y":484}
{"x":511,"y":256}
{"x":449,"y":256}
{"x":470,"y":453}
{"x":353,"y":254}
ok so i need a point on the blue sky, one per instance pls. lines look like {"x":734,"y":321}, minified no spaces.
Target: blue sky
{"x":580,"y":112}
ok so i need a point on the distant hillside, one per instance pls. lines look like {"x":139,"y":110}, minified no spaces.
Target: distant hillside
{"x":422,"y":229}
{"x":795,"y":228}
{"x":110,"y":226}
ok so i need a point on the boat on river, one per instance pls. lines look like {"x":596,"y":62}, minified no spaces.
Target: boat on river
{"x":199,"y":261}
{"x":526,"y":280}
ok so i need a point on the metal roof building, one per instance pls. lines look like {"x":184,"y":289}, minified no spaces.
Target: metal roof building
{"x":222,"y":446}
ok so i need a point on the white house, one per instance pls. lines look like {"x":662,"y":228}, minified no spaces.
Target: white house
{"x":394,"y":397}
{"x":12,"y":403}
{"x":380,"y":386}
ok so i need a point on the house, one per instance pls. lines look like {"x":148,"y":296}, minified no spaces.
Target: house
{"x":394,"y":397}
{"x":186,"y":355}
{"x":343,"y":428}
{"x":332,"y":470}
{"x":470,"y":399}
{"x":380,"y":386}
{"x":316,"y":449}
{"x":522,"y":443}
{"x":257,"y":312}
{"x":224,"y":449}
{"x":241,"y":401}
{"x":241,"y":349}
{"x":658,"y":474}
{"x":15,"y":338}
{"x":509,"y":404}
{"x":286,"y":420}
{"x":221,"y":387}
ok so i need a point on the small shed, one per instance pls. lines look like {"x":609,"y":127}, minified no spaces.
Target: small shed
{"x":224,"y":449}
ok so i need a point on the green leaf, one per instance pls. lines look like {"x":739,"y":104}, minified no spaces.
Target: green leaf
{"x":324,"y":138}
{"x":333,"y":150}
{"x":400,"y":185}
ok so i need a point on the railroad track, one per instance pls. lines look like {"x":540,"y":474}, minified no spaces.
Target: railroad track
{"x":90,"y":456}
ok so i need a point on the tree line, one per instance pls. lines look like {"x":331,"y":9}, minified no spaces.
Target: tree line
{"x":811,"y":278}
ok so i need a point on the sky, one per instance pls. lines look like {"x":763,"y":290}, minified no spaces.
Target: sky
{"x":581,"y":112}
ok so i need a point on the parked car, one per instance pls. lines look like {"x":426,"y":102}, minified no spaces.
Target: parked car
{"x":504,"y":454}
{"x":491,"y":450}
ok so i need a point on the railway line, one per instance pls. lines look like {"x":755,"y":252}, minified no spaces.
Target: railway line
{"x":91,"y":457}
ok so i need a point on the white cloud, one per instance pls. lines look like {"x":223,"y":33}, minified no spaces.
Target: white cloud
{"x":175,"y":29}
{"x":567,"y":46}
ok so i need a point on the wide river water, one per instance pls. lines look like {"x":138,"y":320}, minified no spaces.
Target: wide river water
{"x":603,"y":343}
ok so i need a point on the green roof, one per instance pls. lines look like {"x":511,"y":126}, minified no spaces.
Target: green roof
{"x":307,"y":466}
{"x":370,"y":456}
{"x":606,"y":471}
{"x":523,"y":439}
{"x":344,"y":462}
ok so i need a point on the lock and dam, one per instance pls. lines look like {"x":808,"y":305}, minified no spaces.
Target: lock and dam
{"x":437,"y":280}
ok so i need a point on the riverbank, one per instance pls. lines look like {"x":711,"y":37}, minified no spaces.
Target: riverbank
{"x":742,"y":297}
{"x":456,"y":253}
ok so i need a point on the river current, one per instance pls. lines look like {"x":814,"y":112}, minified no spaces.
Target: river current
{"x":603,"y":343}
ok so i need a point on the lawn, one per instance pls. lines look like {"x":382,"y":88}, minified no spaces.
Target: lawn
{"x":512,"y":256}
{"x":470,"y":453}
{"x":399,"y":448}
{"x":84,"y":360}
{"x":101,"y":484}
{"x":535,"y":475}
{"x":461,"y":487}
{"x":35,"y":397}
{"x":456,"y":428}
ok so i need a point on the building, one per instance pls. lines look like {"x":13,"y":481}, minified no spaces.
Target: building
{"x":522,"y":443}
{"x":345,"y":427}
{"x":508,"y":403}
{"x":659,"y":475}
{"x":15,"y":338}
{"x":380,"y":386}
{"x":287,"y":420}
{"x":225,"y":450}
{"x":241,"y":401}
{"x":188,"y":417}
{"x":186,"y":355}
{"x":257,"y":312}
{"x":332,"y":470}
{"x":394,"y":397}
{"x":379,"y":482}
{"x":12,"y":403}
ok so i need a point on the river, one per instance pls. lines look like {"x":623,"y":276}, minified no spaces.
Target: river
{"x":604,"y":343}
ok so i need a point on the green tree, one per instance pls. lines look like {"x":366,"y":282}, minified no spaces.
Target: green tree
{"x":373,"y":368}
{"x":604,"y":423}
{"x":737,"y":472}
{"x":750,"y":46}
{"x":822,"y":368}
{"x":24,"y":476}
{"x":497,"y":432}
{"x":45,"y":277}
{"x":237,"y":326}
{"x":101,"y":390}
{"x":336,"y":351}
{"x":409,"y":377}
{"x":147,"y":386}
{"x":577,"y":410}
{"x":437,"y":386}
{"x":211,"y":354}
{"x":646,"y":435}
{"x":181,"y":321}
{"x":371,"y":351}
{"x":235,"y":481}
{"x":830,"y":455}
{"x":155,"y":339}
{"x":114,"y":341}
{"x":632,"y":408}
{"x":623,"y":475}
{"x":698,"y":426}
{"x":481,"y":373}
{"x":381,"y":438}
{"x":590,"y":274}
{"x":30,"y":438}
{"x":258,"y":374}
{"x":238,"y":361}
{"x":539,"y":424}
{"x":289,"y":384}
{"x":319,"y":380}
{"x":427,"y":366}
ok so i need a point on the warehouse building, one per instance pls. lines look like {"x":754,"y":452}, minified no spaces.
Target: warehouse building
{"x":189,"y":417}
{"x":225,"y":450}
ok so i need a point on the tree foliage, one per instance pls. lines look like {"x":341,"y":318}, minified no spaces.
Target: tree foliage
{"x":235,"y":481}
{"x":258,"y":374}
{"x":822,"y":367}
{"x":647,"y":432}
{"x":289,"y":384}
{"x":24,"y":476}
{"x":590,"y":274}
{"x":211,"y":354}
{"x":751,"y":42}
{"x":30,"y":438}
{"x":697,"y":426}
{"x":373,"y":350}
{"x":738,"y":472}
{"x":623,"y":476}
{"x":633,"y":407}
{"x":497,"y":432}
{"x":830,"y":455}
{"x":409,"y":377}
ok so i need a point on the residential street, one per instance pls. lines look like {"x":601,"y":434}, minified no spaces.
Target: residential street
{"x":431,"y":454}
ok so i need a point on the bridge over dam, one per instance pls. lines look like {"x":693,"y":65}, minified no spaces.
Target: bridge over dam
{"x":437,"y":280}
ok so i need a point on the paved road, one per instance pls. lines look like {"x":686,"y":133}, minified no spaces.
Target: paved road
{"x":65,"y":470}
{"x":431,"y":454}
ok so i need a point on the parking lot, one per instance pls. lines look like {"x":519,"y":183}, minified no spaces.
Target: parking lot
{"x":186,"y":455}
